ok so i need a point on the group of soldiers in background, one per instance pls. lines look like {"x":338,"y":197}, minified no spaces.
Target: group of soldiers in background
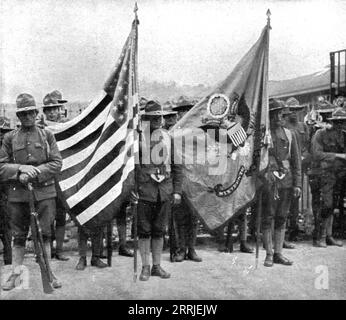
{"x":314,"y":148}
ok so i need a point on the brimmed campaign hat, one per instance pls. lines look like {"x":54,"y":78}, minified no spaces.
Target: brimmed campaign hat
{"x":53,"y":99}
{"x":25,"y":102}
{"x":338,"y":115}
{"x":153,"y":108}
{"x":293,"y":104}
{"x":5,"y":124}
{"x":169,"y":109}
{"x":183,"y":103}
{"x":58,"y":95}
{"x":276,"y":105}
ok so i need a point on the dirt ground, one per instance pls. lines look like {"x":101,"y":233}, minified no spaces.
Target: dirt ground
{"x":317,"y":273}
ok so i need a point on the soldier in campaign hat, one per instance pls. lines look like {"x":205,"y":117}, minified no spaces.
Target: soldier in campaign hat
{"x":159,"y":185}
{"x":282,"y":181}
{"x":170,"y":118}
{"x":5,"y":228}
{"x":182,"y":106}
{"x":29,"y":154}
{"x":302,"y":132}
{"x":52,"y":103}
{"x":328,"y":166}
{"x":186,"y":220}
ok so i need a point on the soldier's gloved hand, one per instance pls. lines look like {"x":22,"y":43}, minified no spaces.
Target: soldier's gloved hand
{"x":30,"y":170}
{"x":176,"y":199}
{"x":24,"y":178}
{"x":134,"y":197}
{"x":297,"y":192}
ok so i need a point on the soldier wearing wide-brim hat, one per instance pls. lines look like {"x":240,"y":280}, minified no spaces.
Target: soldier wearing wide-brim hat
{"x":282,"y":181}
{"x":186,"y":220}
{"x":29,"y":154}
{"x":302,"y":132}
{"x":159,"y":184}
{"x":52,"y":103}
{"x":329,"y":164}
{"x":153,"y":108}
{"x":293,"y":104}
{"x":183,"y":106}
{"x":170,"y":117}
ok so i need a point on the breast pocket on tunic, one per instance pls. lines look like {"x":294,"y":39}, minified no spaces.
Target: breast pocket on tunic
{"x":19,"y":153}
{"x":39,"y":153}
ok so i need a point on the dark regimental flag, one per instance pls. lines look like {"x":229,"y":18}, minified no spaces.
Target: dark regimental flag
{"x":99,"y":146}
{"x":224,"y":139}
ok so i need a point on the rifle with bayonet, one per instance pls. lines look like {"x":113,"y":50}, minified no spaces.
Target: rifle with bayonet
{"x":40,"y":252}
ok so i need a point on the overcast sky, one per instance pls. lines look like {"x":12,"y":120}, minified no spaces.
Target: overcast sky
{"x":72,"y":45}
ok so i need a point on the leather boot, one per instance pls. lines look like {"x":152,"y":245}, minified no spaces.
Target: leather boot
{"x":18,"y":258}
{"x":279,"y":237}
{"x":320,"y":236}
{"x":192,"y":255}
{"x":280,"y":259}
{"x":82,"y":263}
{"x":11,"y":282}
{"x":124,"y":251}
{"x":96,"y":247}
{"x":268,"y":261}
{"x":268,"y":245}
{"x":145,"y":274}
{"x":180,"y":256}
{"x":245,"y":247}
{"x":59,"y":238}
{"x":97,"y":262}
{"x":157,"y":271}
{"x":323,"y":232}
{"x":330,"y":241}
{"x":55,"y":283}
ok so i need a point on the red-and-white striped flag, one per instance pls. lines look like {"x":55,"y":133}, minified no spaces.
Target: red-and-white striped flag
{"x":98,"y":149}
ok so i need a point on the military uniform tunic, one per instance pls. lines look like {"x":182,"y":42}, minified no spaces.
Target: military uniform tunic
{"x":325,"y":168}
{"x":155,"y":195}
{"x":37,"y":147}
{"x":285,"y":159}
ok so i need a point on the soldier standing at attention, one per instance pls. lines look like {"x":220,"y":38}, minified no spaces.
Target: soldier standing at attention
{"x":187,"y":222}
{"x":5,"y":228}
{"x":283,"y":175}
{"x":329,"y":160}
{"x":29,"y":154}
{"x":159,"y":183}
{"x":303,"y":138}
{"x":52,"y":104}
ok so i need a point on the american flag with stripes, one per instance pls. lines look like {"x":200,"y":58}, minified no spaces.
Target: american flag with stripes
{"x":99,"y":146}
